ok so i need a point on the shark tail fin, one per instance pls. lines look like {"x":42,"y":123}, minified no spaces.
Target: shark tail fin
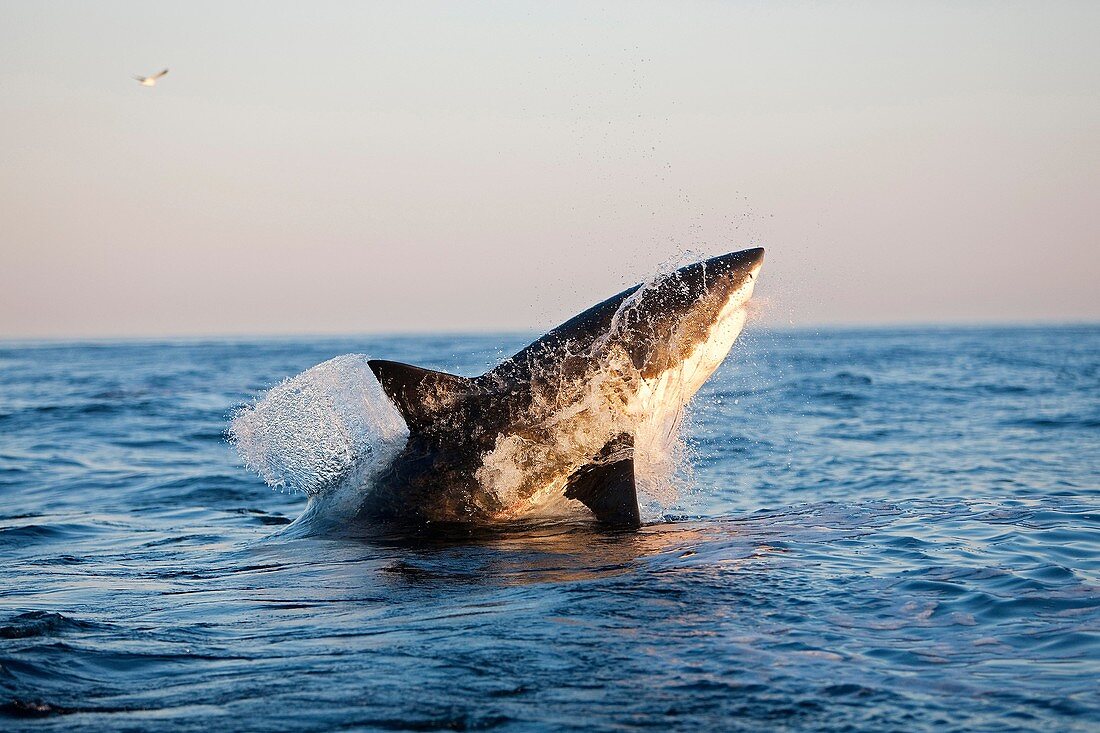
{"x":607,"y":487}
{"x":420,"y":395}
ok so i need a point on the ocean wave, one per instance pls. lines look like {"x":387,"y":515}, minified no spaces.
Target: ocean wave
{"x":39,"y":623}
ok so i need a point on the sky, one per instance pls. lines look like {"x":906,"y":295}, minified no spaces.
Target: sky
{"x":350,"y":167}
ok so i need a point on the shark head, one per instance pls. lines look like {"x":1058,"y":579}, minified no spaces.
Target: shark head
{"x":562,"y":417}
{"x":685,"y":322}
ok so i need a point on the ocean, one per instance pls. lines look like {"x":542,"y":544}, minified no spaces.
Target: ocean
{"x":875,"y":530}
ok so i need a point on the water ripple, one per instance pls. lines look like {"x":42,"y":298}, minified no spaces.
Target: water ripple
{"x":890,"y":530}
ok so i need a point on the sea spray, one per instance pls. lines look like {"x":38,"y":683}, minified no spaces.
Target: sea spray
{"x":328,"y":428}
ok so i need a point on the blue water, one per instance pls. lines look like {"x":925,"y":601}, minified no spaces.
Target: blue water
{"x":888,"y":530}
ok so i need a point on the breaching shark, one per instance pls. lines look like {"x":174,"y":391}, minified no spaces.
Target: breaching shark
{"x":563,"y":420}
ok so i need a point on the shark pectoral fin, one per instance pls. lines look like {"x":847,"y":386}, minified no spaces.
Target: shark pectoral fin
{"x":419,"y":394}
{"x":607,"y":486}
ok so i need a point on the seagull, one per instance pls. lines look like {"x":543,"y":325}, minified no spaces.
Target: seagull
{"x":151,"y":81}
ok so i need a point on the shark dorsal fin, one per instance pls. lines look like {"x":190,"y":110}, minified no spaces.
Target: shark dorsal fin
{"x":420,"y":395}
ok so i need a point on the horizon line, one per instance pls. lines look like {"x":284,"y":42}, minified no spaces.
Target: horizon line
{"x":15,"y":341}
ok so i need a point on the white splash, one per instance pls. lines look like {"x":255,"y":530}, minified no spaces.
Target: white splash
{"x":315,"y":431}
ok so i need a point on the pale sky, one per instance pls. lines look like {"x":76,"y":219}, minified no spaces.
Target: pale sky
{"x":356,"y":167}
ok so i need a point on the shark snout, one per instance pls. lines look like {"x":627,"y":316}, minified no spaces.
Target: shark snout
{"x":756,"y":256}
{"x":727,"y":273}
{"x":746,"y":261}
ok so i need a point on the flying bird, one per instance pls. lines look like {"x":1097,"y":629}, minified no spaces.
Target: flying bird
{"x":151,"y":81}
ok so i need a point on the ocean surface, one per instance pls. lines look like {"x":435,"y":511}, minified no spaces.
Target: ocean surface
{"x":881,"y":530}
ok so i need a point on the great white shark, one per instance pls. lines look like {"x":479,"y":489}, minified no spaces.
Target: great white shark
{"x":563,"y":420}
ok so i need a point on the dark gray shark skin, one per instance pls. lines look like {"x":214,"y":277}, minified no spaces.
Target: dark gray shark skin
{"x":455,"y":423}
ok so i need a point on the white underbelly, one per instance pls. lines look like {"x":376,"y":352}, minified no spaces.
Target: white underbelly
{"x":675,"y":386}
